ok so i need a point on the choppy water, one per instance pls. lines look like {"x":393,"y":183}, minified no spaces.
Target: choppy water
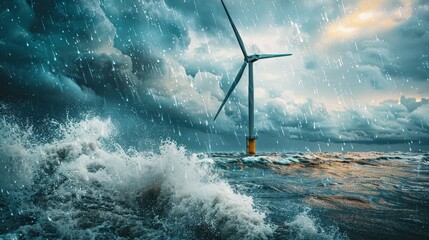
{"x":82,"y":184}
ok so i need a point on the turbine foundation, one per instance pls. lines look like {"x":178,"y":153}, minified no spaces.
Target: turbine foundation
{"x":251,"y":145}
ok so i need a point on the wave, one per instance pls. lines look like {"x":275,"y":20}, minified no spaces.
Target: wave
{"x":82,"y":184}
{"x":278,"y":160}
{"x":304,"y":226}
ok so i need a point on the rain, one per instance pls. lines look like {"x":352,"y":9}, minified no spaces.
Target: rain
{"x":178,"y":59}
{"x":159,"y":70}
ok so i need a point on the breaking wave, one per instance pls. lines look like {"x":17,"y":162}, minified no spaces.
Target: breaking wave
{"x":82,"y":184}
{"x":304,"y":226}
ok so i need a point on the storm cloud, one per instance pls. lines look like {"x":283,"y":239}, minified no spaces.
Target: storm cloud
{"x":175,"y":60}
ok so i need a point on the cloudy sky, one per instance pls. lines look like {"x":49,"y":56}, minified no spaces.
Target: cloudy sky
{"x":358,"y":78}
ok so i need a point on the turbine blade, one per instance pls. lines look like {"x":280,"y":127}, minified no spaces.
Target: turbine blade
{"x":265,"y":56}
{"x":237,"y":79}
{"x":237,"y":35}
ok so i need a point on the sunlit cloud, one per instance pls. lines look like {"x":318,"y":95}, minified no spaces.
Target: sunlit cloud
{"x":371,"y":17}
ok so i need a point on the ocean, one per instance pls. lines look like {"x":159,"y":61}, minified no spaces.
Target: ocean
{"x":82,"y":184}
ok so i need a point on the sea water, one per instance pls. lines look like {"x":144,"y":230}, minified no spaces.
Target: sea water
{"x":80,"y":183}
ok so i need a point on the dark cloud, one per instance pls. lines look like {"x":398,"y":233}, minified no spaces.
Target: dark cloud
{"x":201,"y":14}
{"x":408,"y":46}
{"x":48,"y":46}
{"x":412,"y":104}
{"x":147,"y":23}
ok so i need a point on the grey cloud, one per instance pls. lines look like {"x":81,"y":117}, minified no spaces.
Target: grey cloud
{"x":420,"y":120}
{"x":311,"y":64}
{"x":135,"y":54}
{"x":50,"y":44}
{"x":78,"y":42}
{"x":412,"y":104}
{"x":386,"y":123}
{"x":202,"y":14}
{"x":373,"y":75}
{"x":147,"y":23}
{"x":408,"y":44}
{"x":305,"y":121}
{"x":84,"y":51}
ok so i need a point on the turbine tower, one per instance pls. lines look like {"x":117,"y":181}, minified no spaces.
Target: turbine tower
{"x":251,"y":138}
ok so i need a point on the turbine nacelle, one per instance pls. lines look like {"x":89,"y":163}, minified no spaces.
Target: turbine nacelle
{"x":256,"y":57}
{"x":252,"y":58}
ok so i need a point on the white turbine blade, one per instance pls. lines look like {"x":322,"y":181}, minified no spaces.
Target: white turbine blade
{"x":237,"y":35}
{"x":237,"y":79}
{"x":265,"y":56}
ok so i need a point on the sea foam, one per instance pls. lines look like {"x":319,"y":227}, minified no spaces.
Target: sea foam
{"x":84,"y":185}
{"x":304,"y":226}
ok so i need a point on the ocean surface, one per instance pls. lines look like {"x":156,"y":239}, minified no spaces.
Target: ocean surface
{"x":81,"y":184}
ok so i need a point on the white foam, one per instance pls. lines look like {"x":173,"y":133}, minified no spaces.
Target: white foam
{"x":15,"y":170}
{"x":306,"y":227}
{"x":81,"y":170}
{"x":267,"y":159}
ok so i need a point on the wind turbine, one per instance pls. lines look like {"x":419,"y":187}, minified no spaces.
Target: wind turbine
{"x":251,"y":138}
